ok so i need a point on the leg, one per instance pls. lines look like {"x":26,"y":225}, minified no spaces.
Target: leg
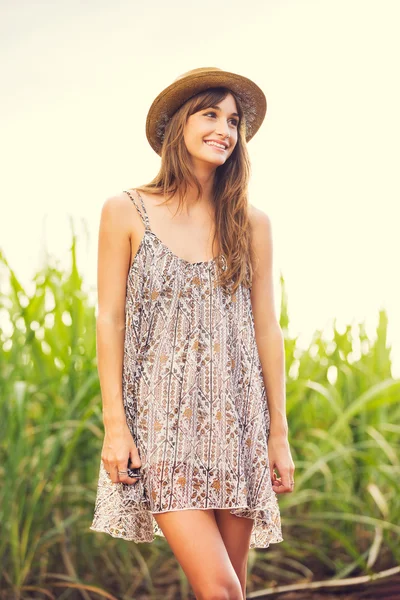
{"x":196,"y":542}
{"x":236,"y":532}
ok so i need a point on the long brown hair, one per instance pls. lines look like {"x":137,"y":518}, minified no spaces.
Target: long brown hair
{"x":232,"y":225}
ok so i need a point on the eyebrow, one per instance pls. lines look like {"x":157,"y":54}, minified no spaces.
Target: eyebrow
{"x":234,"y":114}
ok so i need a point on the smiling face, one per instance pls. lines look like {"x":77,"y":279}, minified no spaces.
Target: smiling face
{"x":211,"y":134}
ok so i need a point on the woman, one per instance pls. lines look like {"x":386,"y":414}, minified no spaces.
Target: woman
{"x":186,"y":315}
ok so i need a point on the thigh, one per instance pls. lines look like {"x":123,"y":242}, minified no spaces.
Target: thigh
{"x":196,"y":542}
{"x":236,"y":532}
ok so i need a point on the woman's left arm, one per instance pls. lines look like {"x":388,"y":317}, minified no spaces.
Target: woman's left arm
{"x":270,"y":344}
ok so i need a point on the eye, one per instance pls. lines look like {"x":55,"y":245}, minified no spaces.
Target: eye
{"x":234,"y":121}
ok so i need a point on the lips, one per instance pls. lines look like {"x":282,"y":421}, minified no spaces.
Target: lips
{"x":213,"y":145}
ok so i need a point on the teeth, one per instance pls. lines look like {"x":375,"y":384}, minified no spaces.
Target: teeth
{"x":215,"y":144}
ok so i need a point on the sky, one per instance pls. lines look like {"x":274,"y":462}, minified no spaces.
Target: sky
{"x":77,"y":80}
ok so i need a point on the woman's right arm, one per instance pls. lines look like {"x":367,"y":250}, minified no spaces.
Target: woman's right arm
{"x":112,"y":271}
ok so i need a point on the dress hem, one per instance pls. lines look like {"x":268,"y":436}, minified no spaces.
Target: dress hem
{"x":158,"y":512}
{"x":275,"y":539}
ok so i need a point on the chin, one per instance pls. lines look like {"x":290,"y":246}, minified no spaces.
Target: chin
{"x":217,"y":160}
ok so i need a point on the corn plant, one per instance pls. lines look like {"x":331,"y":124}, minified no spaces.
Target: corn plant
{"x":344,"y":423}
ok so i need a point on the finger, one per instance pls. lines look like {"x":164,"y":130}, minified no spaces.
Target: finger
{"x":123,"y":473}
{"x":271,"y":472}
{"x":121,"y":478}
{"x":134,"y":461}
{"x":134,"y":464}
{"x":275,"y":480}
{"x":277,"y":486}
{"x":129,"y":480}
{"x":286,"y":475}
{"x":280,"y":488}
{"x":114,"y":473}
{"x":106,"y":466}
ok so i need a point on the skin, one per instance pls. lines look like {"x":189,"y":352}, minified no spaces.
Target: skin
{"x":211,"y":545}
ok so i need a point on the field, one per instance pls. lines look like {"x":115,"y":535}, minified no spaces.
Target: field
{"x":342,"y":521}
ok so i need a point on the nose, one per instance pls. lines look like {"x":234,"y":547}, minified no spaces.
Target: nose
{"x":223,"y":129}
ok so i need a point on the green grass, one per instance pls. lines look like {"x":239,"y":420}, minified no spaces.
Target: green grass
{"x":344,"y":417}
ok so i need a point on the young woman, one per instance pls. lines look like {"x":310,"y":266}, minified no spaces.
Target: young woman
{"x":190,"y":351}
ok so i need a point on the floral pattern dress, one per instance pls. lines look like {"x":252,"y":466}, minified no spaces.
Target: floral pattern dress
{"x":194,"y":399}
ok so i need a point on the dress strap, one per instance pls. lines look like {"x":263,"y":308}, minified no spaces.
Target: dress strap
{"x":142,"y":213}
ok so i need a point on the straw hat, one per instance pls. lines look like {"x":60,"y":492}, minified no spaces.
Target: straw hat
{"x":191,"y":83}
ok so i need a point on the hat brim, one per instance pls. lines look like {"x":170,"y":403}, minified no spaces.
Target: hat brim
{"x":251,"y":96}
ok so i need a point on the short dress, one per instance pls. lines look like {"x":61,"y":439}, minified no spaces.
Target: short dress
{"x":194,"y":399}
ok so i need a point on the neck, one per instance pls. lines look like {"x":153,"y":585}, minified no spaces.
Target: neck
{"x":206,"y":179}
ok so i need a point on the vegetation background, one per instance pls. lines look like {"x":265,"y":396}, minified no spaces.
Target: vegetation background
{"x":77,"y":79}
{"x":344,"y":415}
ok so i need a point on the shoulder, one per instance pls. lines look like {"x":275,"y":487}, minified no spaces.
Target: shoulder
{"x":260,"y":222}
{"x":262,"y":291}
{"x":261,"y":239}
{"x":261,"y":233}
{"x":117,"y":211}
{"x":116,"y":204}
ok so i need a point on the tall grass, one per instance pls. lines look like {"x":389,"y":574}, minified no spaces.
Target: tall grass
{"x":344,"y":417}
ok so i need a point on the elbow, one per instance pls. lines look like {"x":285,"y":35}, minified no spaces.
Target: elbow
{"x":273,"y":330}
{"x":107,"y":319}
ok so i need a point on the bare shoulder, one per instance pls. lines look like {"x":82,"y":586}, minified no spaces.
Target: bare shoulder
{"x":120,"y":213}
{"x":259,"y":220}
{"x":117,"y":208}
{"x":261,"y":234}
{"x":262,"y":292}
{"x":114,"y":254}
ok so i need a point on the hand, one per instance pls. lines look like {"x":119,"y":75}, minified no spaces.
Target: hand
{"x":118,"y":447}
{"x":280,"y":458}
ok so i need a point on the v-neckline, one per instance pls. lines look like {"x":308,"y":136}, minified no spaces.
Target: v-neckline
{"x":179,"y":258}
{"x":204,"y":263}
{"x":176,"y":257}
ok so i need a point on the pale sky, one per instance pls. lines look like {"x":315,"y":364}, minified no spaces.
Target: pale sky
{"x":77,"y":80}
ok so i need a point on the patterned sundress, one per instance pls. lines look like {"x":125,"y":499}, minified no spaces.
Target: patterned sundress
{"x":194,"y":399}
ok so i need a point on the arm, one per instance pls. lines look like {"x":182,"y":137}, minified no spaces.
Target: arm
{"x":112,"y":270}
{"x":269,"y":335}
{"x":270,"y":344}
{"x":113,"y":266}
